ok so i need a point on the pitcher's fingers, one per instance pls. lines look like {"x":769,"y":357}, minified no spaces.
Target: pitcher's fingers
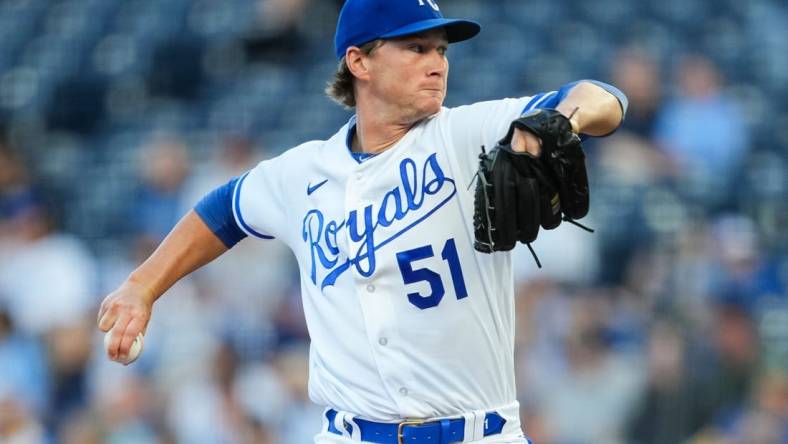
{"x":133,"y":329}
{"x":518,"y":141}
{"x":114,"y":350}
{"x":100,"y":313}
{"x":107,"y":317}
{"x":533,"y":144}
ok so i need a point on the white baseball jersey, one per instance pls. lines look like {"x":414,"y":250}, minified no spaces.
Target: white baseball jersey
{"x":406,"y":318}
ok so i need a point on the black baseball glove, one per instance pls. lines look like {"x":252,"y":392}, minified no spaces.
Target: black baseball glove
{"x":516,"y":192}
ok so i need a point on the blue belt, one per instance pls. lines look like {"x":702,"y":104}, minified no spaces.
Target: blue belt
{"x":439,"y":431}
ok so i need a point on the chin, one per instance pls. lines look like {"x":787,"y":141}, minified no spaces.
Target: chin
{"x":432,"y":106}
{"x":424,"y":108}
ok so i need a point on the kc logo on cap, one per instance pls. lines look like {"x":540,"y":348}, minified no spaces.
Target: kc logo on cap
{"x":431,"y":3}
{"x":362,"y":21}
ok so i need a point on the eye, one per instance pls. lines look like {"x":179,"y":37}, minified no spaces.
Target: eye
{"x":416,"y":48}
{"x":442,"y":50}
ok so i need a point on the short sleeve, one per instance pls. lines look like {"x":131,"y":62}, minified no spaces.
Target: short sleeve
{"x":258,"y":201}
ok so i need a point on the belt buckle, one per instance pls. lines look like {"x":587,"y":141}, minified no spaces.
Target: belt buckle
{"x":407,"y":422}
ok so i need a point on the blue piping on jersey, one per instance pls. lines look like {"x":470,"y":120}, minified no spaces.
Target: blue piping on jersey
{"x":238,"y":214}
{"x":539,"y":100}
{"x":531,"y":102}
{"x":351,"y":130}
{"x":360,"y":157}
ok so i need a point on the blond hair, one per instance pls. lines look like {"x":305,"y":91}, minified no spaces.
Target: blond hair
{"x":340,"y":88}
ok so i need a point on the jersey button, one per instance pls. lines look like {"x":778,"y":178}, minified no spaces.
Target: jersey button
{"x":371,"y":288}
{"x":383,"y":341}
{"x":403,"y":391}
{"x":359,"y":176}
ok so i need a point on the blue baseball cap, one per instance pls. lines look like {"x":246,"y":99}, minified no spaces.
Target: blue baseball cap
{"x":362,"y":21}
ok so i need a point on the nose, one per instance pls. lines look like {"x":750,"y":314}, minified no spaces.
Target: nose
{"x":438,"y":64}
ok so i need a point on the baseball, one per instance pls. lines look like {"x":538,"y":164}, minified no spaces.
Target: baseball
{"x":134,"y":351}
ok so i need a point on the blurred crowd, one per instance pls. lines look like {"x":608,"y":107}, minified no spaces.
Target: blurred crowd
{"x":668,"y":325}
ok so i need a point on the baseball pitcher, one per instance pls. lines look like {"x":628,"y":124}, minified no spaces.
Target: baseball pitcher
{"x":401,"y":224}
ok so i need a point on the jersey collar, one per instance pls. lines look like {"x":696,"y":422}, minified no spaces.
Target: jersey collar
{"x":351,"y":131}
{"x":361,"y":157}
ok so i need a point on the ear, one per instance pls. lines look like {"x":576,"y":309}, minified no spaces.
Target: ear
{"x":357,"y":63}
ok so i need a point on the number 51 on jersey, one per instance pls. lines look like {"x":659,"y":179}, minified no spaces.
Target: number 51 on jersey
{"x":411,"y":275}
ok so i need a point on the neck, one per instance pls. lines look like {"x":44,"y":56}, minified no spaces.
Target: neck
{"x":377,"y":131}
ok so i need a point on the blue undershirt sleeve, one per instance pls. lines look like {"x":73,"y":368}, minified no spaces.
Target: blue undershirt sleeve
{"x":216,"y":210}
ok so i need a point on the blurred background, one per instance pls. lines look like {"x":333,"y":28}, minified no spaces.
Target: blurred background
{"x":669,"y":325}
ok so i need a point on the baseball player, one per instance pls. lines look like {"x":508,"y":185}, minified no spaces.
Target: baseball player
{"x":412,"y":329}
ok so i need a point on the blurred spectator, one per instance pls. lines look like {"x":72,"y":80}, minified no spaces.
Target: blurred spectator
{"x":218,"y":410}
{"x":301,"y":418}
{"x":667,"y":411}
{"x":15,"y":191}
{"x":126,"y":410}
{"x":731,"y":372}
{"x":83,"y":427}
{"x":630,"y":156}
{"x":568,"y":254}
{"x":584,"y":393}
{"x":24,"y":375}
{"x":626,"y":166}
{"x":234,"y":155}
{"x":44,"y":266}
{"x":18,"y":425}
{"x":764,"y":420}
{"x":69,"y":349}
{"x":590,"y":401}
{"x":692,"y":386}
{"x":744,"y":275}
{"x":290,"y":320}
{"x":41,"y":267}
{"x":159,"y":202}
{"x":703,"y":130}
{"x":638,"y":75}
{"x":278,"y":32}
{"x":543,"y":318}
{"x":54,"y":270}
